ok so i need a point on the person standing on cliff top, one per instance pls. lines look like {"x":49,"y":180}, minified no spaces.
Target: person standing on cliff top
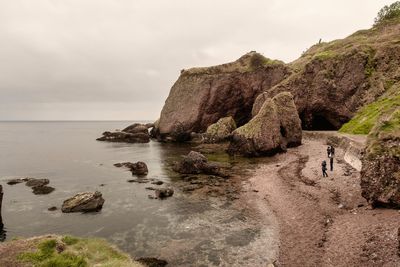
{"x":323,"y":165}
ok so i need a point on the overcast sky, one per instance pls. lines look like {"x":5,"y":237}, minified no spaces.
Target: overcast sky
{"x":117,"y":59}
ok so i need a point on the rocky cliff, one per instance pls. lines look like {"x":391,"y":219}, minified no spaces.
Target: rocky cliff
{"x":201,"y":96}
{"x":329,"y":82}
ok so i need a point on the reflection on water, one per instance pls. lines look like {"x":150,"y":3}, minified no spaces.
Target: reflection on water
{"x":185,"y":229}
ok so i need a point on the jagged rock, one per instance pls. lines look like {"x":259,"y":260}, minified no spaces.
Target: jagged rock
{"x":15,"y":181}
{"x":196,"y":163}
{"x":220,"y":130}
{"x":201,"y":96}
{"x":136,"y":128}
{"x":164,"y":192}
{"x":276,"y":127}
{"x":138,"y":168}
{"x":34,"y":182}
{"x":42,"y":190}
{"x":83,"y":202}
{"x":124,"y":137}
{"x":380,"y":173}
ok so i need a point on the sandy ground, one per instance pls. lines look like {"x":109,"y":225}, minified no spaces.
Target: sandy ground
{"x":322,"y":221}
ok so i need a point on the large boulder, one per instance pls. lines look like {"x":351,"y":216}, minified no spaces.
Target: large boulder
{"x":220,"y":130}
{"x":197,"y":163}
{"x":276,"y":127}
{"x":201,"y":96}
{"x":83,"y":202}
{"x":380,"y":173}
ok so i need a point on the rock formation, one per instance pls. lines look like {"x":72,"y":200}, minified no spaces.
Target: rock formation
{"x":83,"y":202}
{"x":201,"y":96}
{"x":139,"y":168}
{"x":220,"y":130}
{"x":329,"y":83}
{"x":135,"y":133}
{"x":196,"y":163}
{"x":162,"y":193}
{"x":380,"y":174}
{"x":276,"y":127}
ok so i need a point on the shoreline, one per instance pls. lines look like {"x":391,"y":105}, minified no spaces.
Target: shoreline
{"x":322,"y":221}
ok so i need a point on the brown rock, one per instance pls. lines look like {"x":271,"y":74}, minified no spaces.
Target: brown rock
{"x":196,"y":163}
{"x":83,"y":202}
{"x":138,"y":168}
{"x":380,"y":173}
{"x":42,"y":190}
{"x":201,"y":96}
{"x":276,"y":127}
{"x":162,"y":193}
{"x":152,"y":262}
{"x":33,"y":182}
{"x":220,"y":130}
{"x":124,"y":137}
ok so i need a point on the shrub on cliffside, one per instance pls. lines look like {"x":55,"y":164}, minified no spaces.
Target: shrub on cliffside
{"x":388,"y":12}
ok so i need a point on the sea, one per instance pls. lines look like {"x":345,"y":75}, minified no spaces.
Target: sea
{"x":185,"y":230}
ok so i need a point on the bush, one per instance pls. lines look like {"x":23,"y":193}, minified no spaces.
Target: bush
{"x":388,"y":13}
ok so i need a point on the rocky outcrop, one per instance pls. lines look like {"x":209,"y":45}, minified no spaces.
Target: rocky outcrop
{"x":162,"y":193}
{"x":83,"y":202}
{"x":139,"y":168}
{"x":196,"y":163}
{"x":220,"y":130}
{"x":380,"y":174}
{"x":201,"y":96}
{"x":135,"y":133}
{"x":276,"y":127}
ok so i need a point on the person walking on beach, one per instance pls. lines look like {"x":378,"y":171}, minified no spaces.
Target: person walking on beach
{"x":323,"y":165}
{"x":328,"y":151}
{"x":331,"y":160}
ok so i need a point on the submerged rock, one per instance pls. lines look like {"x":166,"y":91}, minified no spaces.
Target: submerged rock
{"x":34,"y":182}
{"x":138,"y":168}
{"x":164,"y":192}
{"x":83,"y":202}
{"x":42,"y":190}
{"x":16,"y":181}
{"x":220,"y":130}
{"x":196,"y":163}
{"x":380,"y":173}
{"x":276,"y":127}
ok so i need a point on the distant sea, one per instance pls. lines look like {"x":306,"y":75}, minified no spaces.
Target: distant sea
{"x":185,"y":230}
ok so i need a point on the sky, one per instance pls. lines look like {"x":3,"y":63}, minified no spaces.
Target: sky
{"x":117,"y":59}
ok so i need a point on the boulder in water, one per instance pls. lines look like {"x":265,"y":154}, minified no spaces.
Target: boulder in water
{"x":83,"y":202}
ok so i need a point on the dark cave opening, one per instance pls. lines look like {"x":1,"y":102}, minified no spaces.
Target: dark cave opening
{"x":316,"y":122}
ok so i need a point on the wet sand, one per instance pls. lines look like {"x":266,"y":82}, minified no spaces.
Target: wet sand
{"x":321,"y":221}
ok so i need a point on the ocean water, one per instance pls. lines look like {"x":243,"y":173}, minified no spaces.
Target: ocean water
{"x":184,"y":229}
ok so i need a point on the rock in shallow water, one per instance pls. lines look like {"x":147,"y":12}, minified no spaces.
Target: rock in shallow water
{"x":138,"y":168}
{"x":34,"y":182}
{"x":196,"y":163}
{"x":83,"y":202}
{"x":42,"y":190}
{"x":164,"y":193}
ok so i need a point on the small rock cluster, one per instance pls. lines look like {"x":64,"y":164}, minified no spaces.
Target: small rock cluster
{"x":135,"y":133}
{"x":39,"y":186}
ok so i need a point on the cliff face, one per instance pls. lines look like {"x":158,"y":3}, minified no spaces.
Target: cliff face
{"x":329,"y":82}
{"x":201,"y":96}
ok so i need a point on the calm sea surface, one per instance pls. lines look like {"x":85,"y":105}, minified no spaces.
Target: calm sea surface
{"x":184,"y":230}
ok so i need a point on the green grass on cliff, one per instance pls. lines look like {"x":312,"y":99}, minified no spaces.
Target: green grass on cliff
{"x":74,"y":252}
{"x":368,"y":115}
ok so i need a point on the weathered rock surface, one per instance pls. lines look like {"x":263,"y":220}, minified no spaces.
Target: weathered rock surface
{"x":42,"y":190}
{"x":138,"y":168}
{"x":220,"y":130}
{"x":196,"y":163}
{"x":276,"y":127}
{"x":380,"y":173}
{"x":201,"y":96}
{"x":152,"y":262}
{"x":34,"y":182}
{"x":83,"y":202}
{"x":162,"y":193}
{"x":125,"y":137}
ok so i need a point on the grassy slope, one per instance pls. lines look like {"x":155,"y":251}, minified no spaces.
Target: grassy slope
{"x":76,"y":252}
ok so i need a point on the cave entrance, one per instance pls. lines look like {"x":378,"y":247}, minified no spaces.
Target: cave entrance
{"x":316,"y":122}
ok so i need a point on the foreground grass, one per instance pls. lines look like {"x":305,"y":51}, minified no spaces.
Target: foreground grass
{"x":67,"y":251}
